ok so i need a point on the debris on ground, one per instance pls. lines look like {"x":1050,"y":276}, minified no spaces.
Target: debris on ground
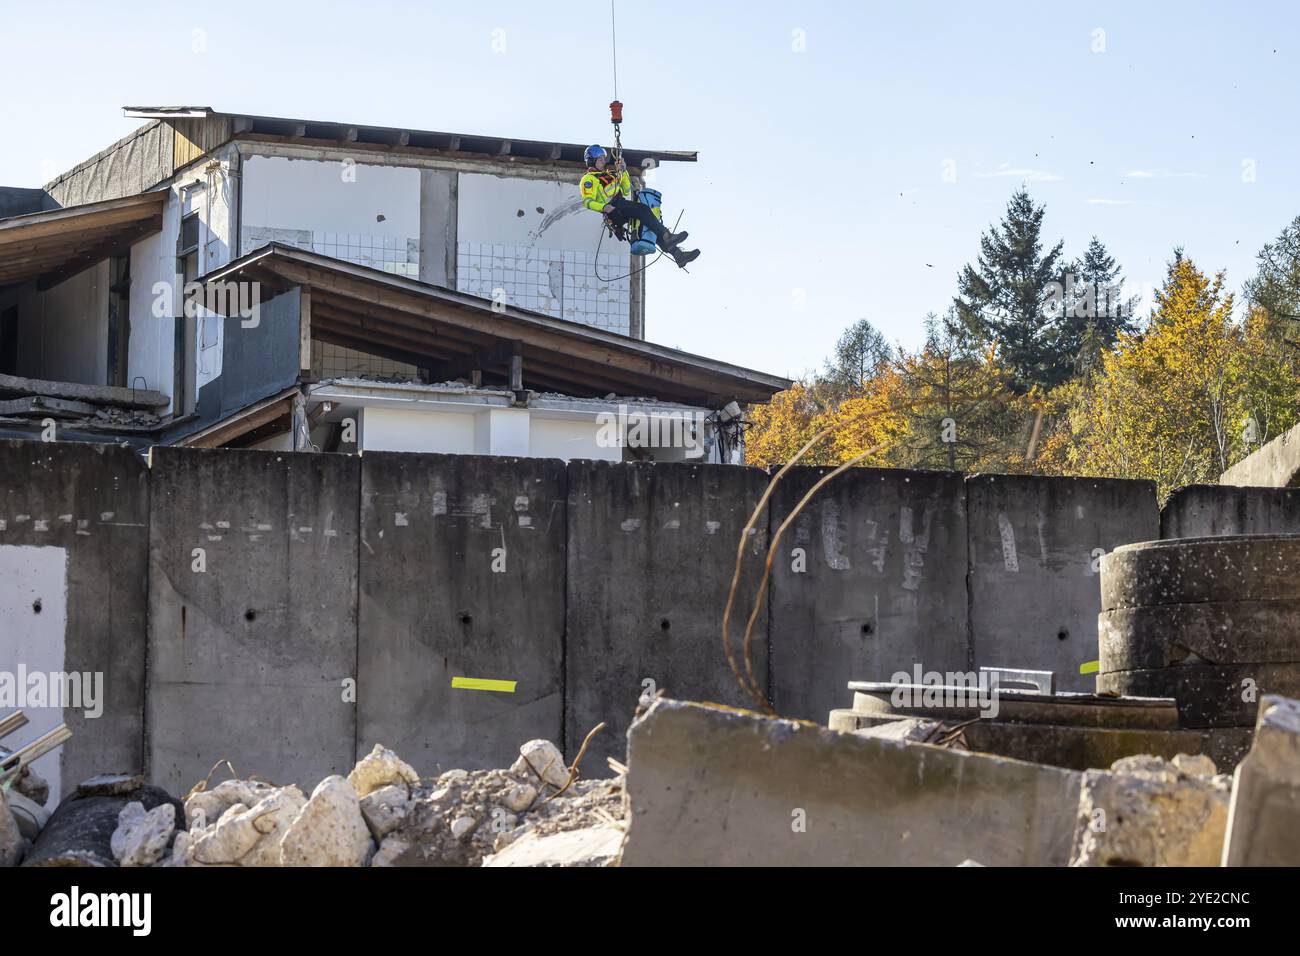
{"x":1148,"y":811}
{"x":383,"y":814}
{"x":142,"y":836}
{"x":1144,"y":810}
{"x":468,"y":814}
{"x":81,"y":830}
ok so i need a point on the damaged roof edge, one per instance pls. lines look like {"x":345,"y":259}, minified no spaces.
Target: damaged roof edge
{"x":561,"y":329}
{"x":486,"y":144}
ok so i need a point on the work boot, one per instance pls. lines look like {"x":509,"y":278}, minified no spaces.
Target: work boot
{"x":682,"y":258}
{"x":671,"y":240}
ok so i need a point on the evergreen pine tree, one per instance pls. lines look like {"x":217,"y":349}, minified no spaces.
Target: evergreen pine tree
{"x":1275,"y":287}
{"x":1093,"y":313}
{"x":1002,"y":299}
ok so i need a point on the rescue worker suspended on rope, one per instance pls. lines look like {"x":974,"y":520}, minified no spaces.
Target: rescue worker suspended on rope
{"x":609,"y":192}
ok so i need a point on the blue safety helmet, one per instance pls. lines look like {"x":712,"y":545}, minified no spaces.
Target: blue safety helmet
{"x":592,"y":154}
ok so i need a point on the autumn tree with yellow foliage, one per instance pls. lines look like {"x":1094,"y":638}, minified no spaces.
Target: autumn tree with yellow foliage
{"x":1004,"y":384}
{"x":1182,"y":401}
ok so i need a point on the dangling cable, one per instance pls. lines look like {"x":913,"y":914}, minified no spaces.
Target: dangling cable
{"x":613,"y":42}
{"x":596,"y":261}
{"x":615,"y":108}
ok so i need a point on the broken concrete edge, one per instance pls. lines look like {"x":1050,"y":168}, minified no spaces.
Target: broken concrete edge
{"x":796,"y":723}
{"x":713,"y":785}
{"x":1151,"y":811}
{"x":1263,"y":827}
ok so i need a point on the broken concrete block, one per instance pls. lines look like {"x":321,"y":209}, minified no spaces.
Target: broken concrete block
{"x":541,"y":759}
{"x":381,"y":768}
{"x":1264,"y":816}
{"x":12,"y":845}
{"x":206,"y":807}
{"x":390,"y":851}
{"x":80,"y":831}
{"x":1148,"y":811}
{"x":248,"y":836}
{"x":32,"y":785}
{"x":182,"y":850}
{"x":30,"y":815}
{"x":462,"y":827}
{"x":110,"y":785}
{"x":519,"y":797}
{"x":142,"y":835}
{"x":385,"y":808}
{"x":1195,"y":765}
{"x":910,"y":729}
{"x":593,"y":846}
{"x":329,"y":830}
{"x":715,"y":786}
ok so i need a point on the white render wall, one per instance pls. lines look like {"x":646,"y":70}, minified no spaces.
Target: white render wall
{"x":568,"y":439}
{"x":523,"y":241}
{"x":364,"y":214}
{"x":483,"y":430}
{"x":401,"y":429}
{"x":531,"y":243}
{"x":27,"y":573}
{"x":213,"y":194}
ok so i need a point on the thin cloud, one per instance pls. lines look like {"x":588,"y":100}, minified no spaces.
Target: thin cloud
{"x":1161,"y":174}
{"x":1028,"y":175}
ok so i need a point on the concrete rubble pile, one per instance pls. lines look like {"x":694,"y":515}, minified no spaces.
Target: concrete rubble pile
{"x":705,"y":785}
{"x":22,"y":815}
{"x":382,"y":814}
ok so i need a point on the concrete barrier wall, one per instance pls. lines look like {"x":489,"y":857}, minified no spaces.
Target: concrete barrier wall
{"x":74,"y":526}
{"x":462,"y":571}
{"x":1035,"y":544}
{"x":252,"y":614}
{"x":339,"y":596}
{"x":652,"y":550}
{"x":870,"y":579}
{"x":1199,"y":511}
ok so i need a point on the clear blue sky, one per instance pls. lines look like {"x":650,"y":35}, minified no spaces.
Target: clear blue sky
{"x":819,"y":171}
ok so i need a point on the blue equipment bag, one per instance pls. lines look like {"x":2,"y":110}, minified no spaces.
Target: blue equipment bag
{"x":642,"y":238}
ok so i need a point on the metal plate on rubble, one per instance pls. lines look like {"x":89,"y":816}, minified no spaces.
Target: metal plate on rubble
{"x":1016,"y":706}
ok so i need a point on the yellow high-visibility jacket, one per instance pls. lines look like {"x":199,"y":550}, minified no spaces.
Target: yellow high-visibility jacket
{"x":598,"y":188}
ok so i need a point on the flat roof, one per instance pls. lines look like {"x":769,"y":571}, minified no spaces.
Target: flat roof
{"x":243,"y":124}
{"x":451,"y":333}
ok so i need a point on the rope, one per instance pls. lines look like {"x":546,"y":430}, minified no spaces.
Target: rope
{"x":613,"y":41}
{"x":595,"y":266}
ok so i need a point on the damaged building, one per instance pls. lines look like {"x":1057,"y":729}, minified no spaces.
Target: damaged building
{"x":414,"y":291}
{"x":485,"y":631}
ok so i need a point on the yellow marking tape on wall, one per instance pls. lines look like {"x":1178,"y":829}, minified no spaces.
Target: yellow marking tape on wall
{"x":481,"y":683}
{"x":1091,"y":667}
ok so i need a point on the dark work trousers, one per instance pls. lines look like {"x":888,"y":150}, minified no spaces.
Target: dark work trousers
{"x":622,"y":210}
